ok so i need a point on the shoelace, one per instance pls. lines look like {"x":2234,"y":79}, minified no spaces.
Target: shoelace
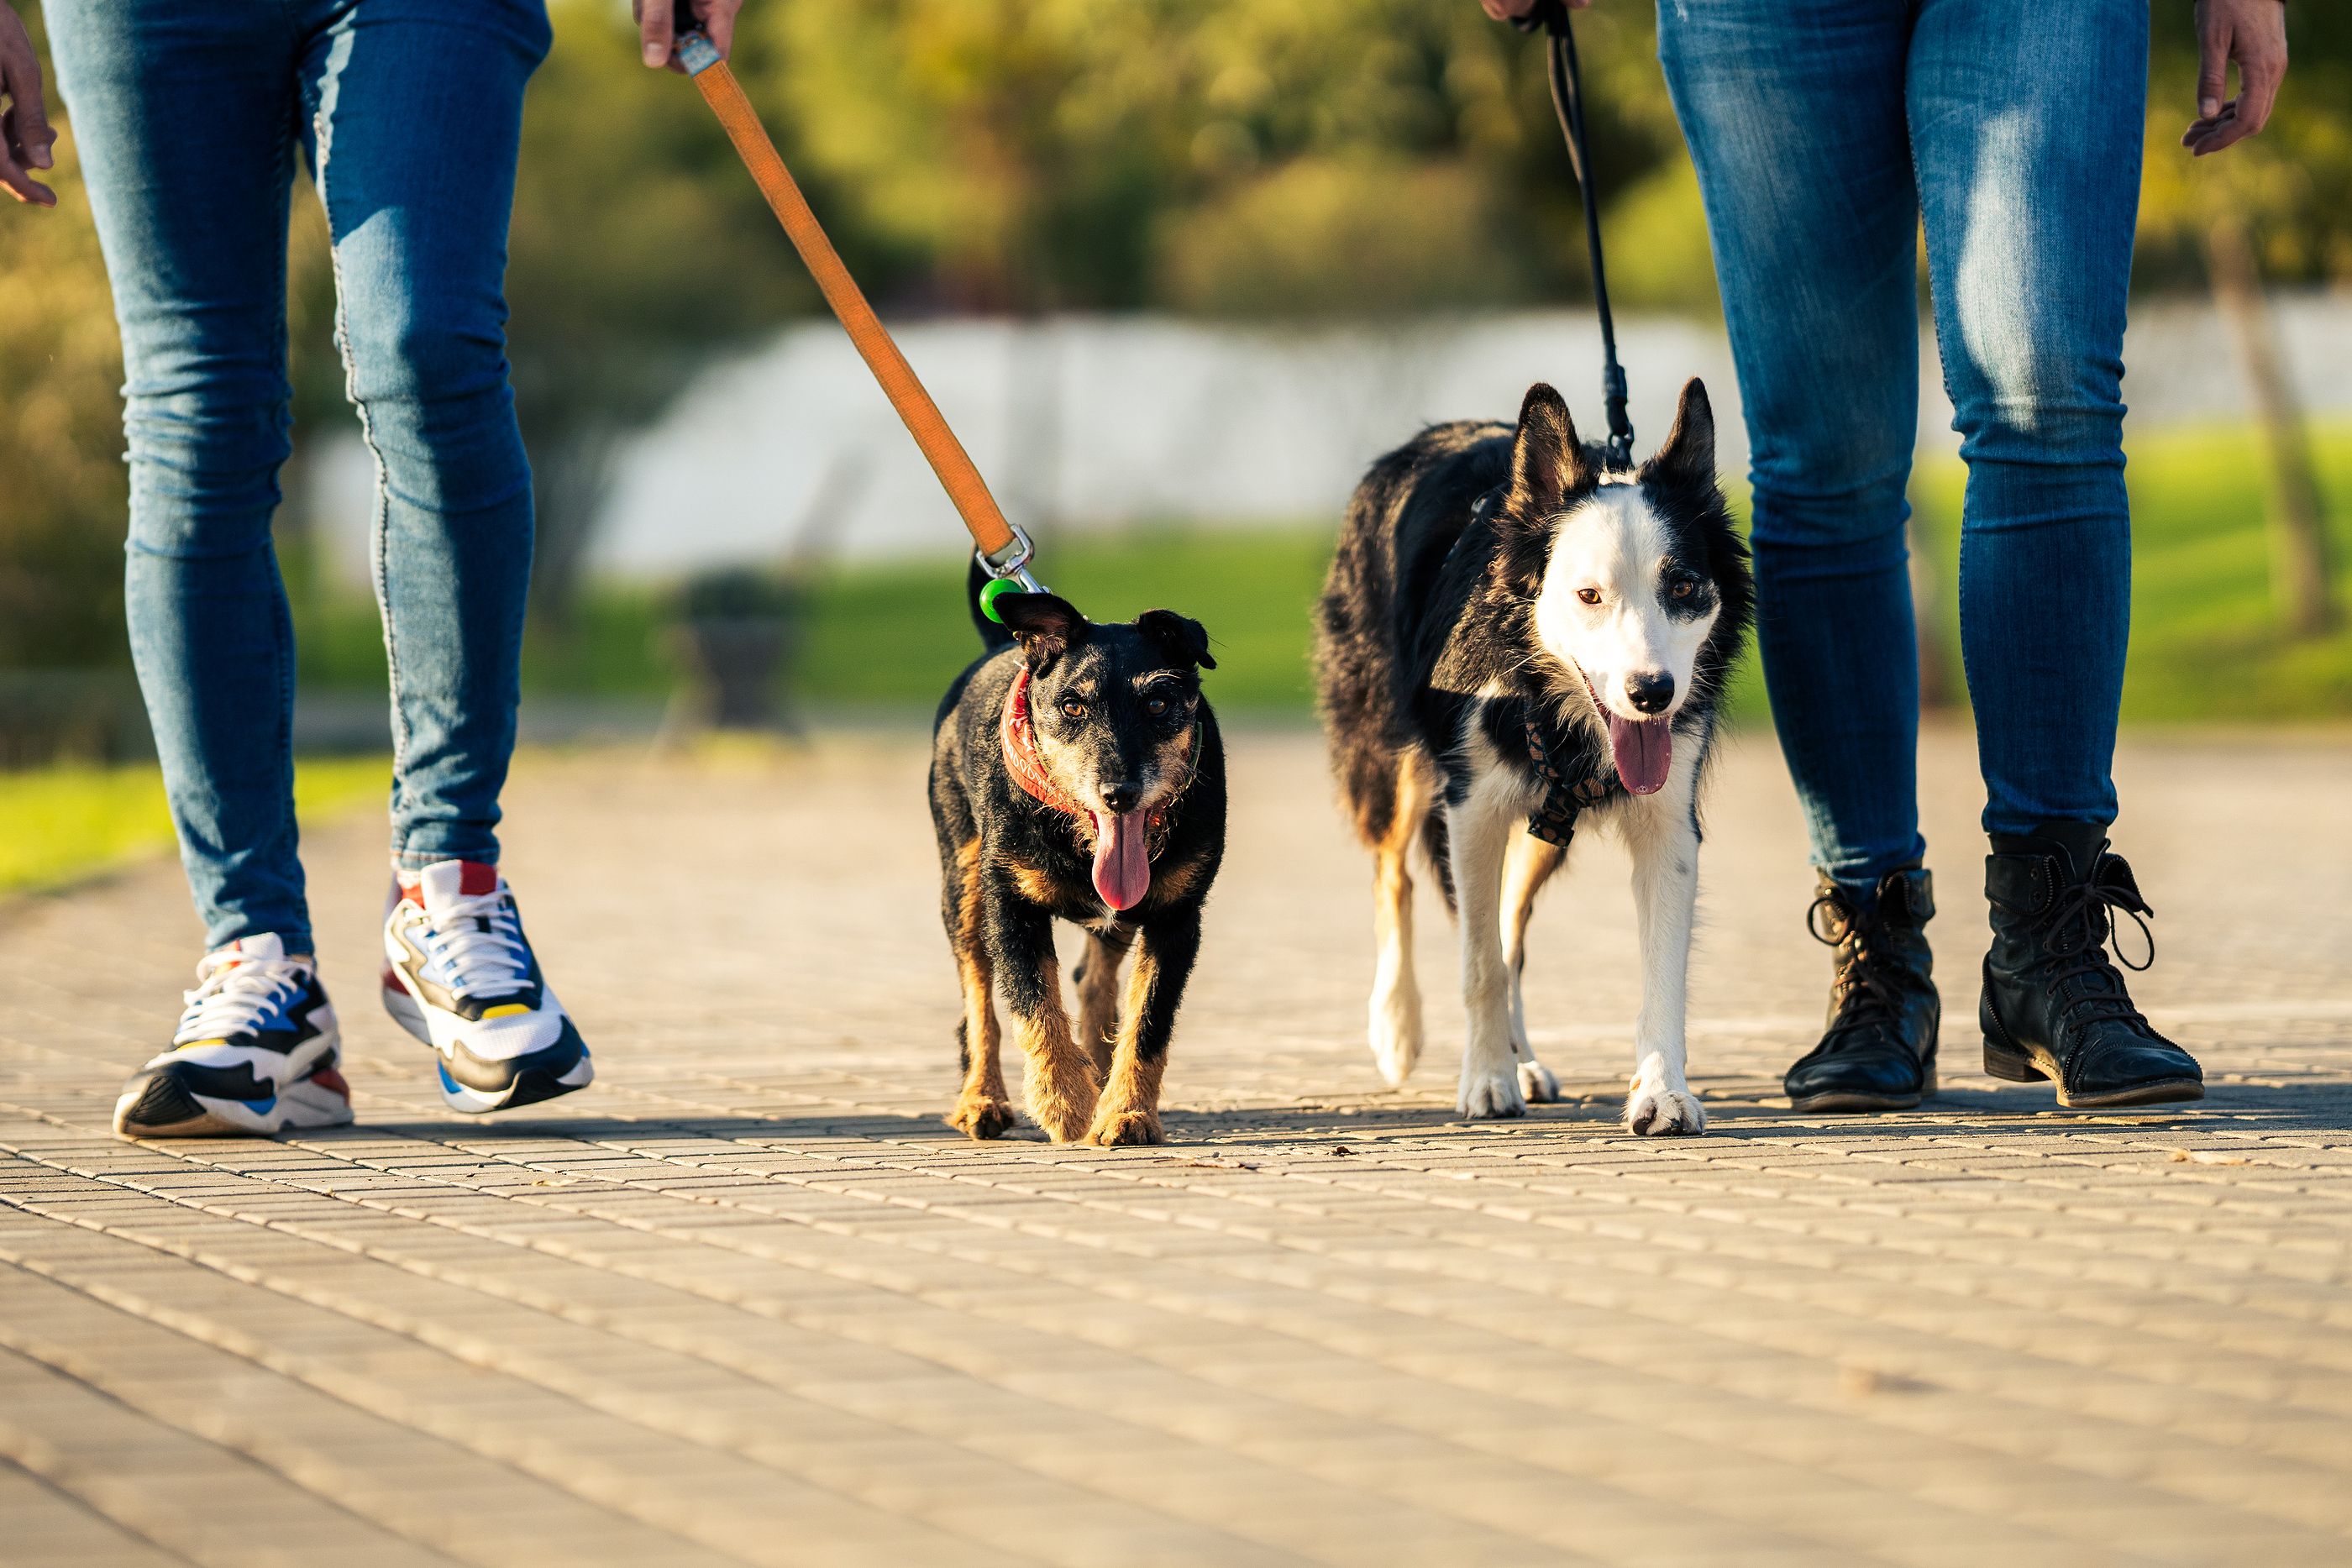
{"x":476,"y":943}
{"x":2079,"y":924}
{"x":1865,"y":990}
{"x":234,"y":993}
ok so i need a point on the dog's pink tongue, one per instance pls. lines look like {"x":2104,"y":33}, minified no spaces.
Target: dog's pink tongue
{"x":1122,"y":858}
{"x":1643,"y":751}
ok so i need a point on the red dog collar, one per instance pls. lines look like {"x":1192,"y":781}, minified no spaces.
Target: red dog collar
{"x":1018,"y":733}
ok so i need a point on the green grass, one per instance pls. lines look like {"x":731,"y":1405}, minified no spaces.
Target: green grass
{"x":2205,"y":640}
{"x":68,"y":822}
{"x":2205,"y":644}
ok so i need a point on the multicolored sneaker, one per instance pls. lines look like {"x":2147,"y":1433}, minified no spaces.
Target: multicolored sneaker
{"x":256,"y":1051}
{"x":459,"y":975}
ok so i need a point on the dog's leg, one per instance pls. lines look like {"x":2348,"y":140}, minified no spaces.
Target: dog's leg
{"x":1129,"y":1111}
{"x":982,"y":1110}
{"x":1479,"y":831}
{"x":1395,"y":1028}
{"x":1097,"y":978}
{"x":1530,"y":864}
{"x":1060,"y":1088}
{"x":1662,"y":835}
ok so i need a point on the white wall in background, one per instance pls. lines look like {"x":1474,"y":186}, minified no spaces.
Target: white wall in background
{"x":1104,"y":421}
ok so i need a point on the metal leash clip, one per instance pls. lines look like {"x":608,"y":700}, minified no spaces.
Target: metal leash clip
{"x":1009,"y":574}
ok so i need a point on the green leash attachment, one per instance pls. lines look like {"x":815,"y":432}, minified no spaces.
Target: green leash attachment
{"x":994,"y":592}
{"x":1009,"y":573}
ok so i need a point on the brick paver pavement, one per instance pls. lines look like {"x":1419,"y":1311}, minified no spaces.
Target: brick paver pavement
{"x":748,"y":1302}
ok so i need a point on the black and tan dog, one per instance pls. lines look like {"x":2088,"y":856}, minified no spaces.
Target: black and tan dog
{"x":1076,"y":772}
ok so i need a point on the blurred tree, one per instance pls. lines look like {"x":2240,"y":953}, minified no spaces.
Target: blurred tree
{"x":63,"y":489}
{"x":1320,"y":234}
{"x":2278,"y":205}
{"x":639,"y":250}
{"x":1106,"y":154}
{"x":1019,"y":149}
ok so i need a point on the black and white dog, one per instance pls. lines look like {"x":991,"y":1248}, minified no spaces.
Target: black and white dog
{"x":1516,"y":634}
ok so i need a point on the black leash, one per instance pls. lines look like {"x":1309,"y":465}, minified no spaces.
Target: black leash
{"x":1550,"y":17}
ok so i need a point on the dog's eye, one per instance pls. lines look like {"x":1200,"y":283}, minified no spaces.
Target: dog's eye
{"x":1156,"y":707}
{"x":1684,"y":588}
{"x":1074,"y":708}
{"x":1589,"y":595}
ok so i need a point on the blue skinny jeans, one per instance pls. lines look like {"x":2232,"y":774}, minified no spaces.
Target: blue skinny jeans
{"x":1826,"y":134}
{"x":188,"y":115}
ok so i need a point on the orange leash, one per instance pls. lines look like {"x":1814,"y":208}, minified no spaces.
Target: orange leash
{"x":1003,"y":549}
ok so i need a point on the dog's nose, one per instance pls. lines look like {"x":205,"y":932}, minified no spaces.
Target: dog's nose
{"x":1121,"y":796}
{"x":1651,"y":693}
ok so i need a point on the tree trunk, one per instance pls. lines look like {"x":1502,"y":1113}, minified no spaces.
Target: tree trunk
{"x":2299,"y":564}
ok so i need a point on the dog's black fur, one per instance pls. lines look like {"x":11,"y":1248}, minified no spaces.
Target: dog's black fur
{"x":1431,"y":601}
{"x":1010,"y":865}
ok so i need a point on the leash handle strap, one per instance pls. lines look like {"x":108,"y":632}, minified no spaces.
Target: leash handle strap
{"x":1567,"y":106}
{"x":1003,"y":549}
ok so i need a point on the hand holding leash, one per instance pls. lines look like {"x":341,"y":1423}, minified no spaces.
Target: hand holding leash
{"x":663,"y":25}
{"x":25,"y":134}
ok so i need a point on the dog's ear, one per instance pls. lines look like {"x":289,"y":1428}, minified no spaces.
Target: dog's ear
{"x":1547,"y":462}
{"x":1184,"y":637}
{"x":1688,"y":456}
{"x":1044,"y":625}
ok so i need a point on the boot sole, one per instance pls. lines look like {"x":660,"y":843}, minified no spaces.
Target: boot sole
{"x":2015,"y":1066}
{"x":1846,"y":1100}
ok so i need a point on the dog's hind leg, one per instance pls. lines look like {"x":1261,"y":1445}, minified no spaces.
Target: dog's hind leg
{"x":1479,"y":830}
{"x":1129,"y":1111}
{"x":1097,"y":978}
{"x":982,"y":1110}
{"x":1395,"y":1026}
{"x":1529,"y":866}
{"x":1663,"y":834}
{"x":1060,"y":1088}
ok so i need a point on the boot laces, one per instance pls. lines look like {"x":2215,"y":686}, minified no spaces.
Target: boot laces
{"x":234,"y":993}
{"x":2075,"y":932}
{"x":475,"y":945}
{"x":1864,"y":986}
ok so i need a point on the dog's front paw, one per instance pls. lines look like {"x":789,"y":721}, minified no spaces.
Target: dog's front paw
{"x":1490,"y":1092}
{"x":1116,"y":1128}
{"x":1655,"y":1111}
{"x":978,"y":1117}
{"x":1537,"y":1083}
{"x":1061,"y":1098}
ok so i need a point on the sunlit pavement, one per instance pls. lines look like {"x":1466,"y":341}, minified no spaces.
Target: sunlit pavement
{"x":748,"y":1301}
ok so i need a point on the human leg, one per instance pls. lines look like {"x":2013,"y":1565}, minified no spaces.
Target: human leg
{"x":1793,"y":112}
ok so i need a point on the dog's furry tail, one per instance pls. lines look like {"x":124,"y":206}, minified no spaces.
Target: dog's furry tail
{"x":993,"y":636}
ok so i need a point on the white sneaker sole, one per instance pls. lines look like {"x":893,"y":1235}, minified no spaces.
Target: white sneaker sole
{"x":527,"y":1089}
{"x":178,"y":1111}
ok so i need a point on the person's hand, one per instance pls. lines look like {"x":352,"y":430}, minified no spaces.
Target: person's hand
{"x":25,"y":133}
{"x":2253,"y":34}
{"x":657,"y":28}
{"x":1512,"y":10}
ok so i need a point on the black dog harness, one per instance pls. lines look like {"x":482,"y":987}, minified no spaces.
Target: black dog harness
{"x":1588,"y":780}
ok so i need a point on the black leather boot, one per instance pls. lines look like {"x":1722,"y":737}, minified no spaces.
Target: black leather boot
{"x":1879,"y":1052}
{"x":2054,"y":1003}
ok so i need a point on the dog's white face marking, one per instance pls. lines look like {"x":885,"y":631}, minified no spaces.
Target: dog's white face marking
{"x":1618,"y":605}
